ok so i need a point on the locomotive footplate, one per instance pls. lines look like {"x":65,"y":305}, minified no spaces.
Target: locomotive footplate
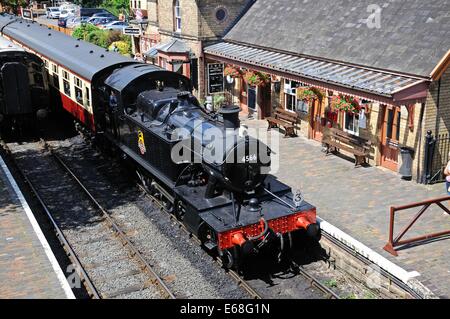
{"x":250,"y":219}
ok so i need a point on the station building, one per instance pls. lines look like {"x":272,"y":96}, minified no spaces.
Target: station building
{"x":174,"y":32}
{"x":379,"y":72}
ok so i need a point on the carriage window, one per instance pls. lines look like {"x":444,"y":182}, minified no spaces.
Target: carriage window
{"x":77,"y":81}
{"x":79,"y":95}
{"x":88,"y":98}
{"x":78,"y":90}
{"x":65,"y":75}
{"x":66,"y":87}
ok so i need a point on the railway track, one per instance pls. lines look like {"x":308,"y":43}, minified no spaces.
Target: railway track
{"x":108,"y":263}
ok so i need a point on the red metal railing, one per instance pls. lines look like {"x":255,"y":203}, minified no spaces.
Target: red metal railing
{"x":397,"y":241}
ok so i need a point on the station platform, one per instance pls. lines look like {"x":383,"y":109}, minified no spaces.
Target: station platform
{"x":356,"y":203}
{"x":28,"y":267}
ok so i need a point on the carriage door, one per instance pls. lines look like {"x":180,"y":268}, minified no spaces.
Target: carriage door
{"x":316,"y":120}
{"x":390,"y":136}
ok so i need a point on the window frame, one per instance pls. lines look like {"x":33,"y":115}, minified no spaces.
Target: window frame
{"x":355,"y":123}
{"x":177,"y":16}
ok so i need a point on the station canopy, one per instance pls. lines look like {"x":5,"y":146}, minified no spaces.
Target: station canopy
{"x":390,"y":86}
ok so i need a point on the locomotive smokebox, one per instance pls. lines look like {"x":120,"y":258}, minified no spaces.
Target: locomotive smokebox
{"x":231,"y":116}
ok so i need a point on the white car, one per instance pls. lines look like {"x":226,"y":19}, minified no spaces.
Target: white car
{"x":115,"y":25}
{"x":67,"y":13}
{"x":53,"y":13}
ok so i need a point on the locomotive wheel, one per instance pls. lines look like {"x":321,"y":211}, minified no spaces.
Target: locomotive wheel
{"x":227,"y":259}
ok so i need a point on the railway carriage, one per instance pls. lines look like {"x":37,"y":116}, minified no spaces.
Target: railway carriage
{"x":219,"y":188}
{"x":23,"y":88}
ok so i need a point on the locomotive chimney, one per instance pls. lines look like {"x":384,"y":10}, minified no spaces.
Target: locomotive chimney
{"x":231,"y":116}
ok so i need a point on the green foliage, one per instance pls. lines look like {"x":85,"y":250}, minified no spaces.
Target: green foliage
{"x":103,"y":38}
{"x":113,"y":6}
{"x":218,"y":100}
{"x":123,"y":47}
{"x":82,"y":31}
{"x":99,"y":38}
{"x":13,"y":5}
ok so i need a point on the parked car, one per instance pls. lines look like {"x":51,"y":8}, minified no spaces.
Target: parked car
{"x":115,"y":25}
{"x":67,"y":13}
{"x":74,"y":22}
{"x":52,"y":13}
{"x":104,"y":15}
{"x":62,"y":22}
{"x":100,"y":21}
{"x":89,"y":12}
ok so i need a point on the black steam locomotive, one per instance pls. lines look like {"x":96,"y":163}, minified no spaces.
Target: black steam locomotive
{"x":23,"y":88}
{"x":210,"y":175}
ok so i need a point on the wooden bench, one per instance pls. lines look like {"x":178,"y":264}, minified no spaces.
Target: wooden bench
{"x":336,"y":140}
{"x":285,"y":119}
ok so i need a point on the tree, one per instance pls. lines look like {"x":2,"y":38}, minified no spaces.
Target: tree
{"x":13,"y":5}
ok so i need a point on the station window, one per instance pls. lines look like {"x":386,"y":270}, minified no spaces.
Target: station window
{"x":177,"y":16}
{"x":290,"y":95}
{"x":55,"y":68}
{"x":351,"y":123}
{"x":46,"y":64}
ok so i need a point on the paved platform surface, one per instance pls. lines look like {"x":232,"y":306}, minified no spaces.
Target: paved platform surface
{"x":357,"y":201}
{"x":28,"y":268}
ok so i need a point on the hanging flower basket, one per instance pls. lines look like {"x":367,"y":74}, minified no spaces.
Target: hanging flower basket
{"x":232,"y":71}
{"x":308,"y":94}
{"x":254,"y":78}
{"x":346,"y":104}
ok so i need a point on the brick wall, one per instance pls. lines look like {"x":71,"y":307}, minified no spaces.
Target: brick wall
{"x":437,"y":120}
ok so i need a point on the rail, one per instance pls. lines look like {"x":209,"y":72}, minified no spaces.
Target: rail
{"x":394,"y":243}
{"x":145,"y":266}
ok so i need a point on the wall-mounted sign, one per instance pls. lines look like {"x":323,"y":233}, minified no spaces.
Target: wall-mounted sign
{"x":215,"y":78}
{"x":27,"y":14}
{"x":132,"y":31}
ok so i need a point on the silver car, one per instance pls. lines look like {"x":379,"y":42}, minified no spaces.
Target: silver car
{"x":115,"y":25}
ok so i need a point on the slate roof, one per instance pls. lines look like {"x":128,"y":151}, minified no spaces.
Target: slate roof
{"x":80,"y":57}
{"x":174,"y":46}
{"x":414,"y":35}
